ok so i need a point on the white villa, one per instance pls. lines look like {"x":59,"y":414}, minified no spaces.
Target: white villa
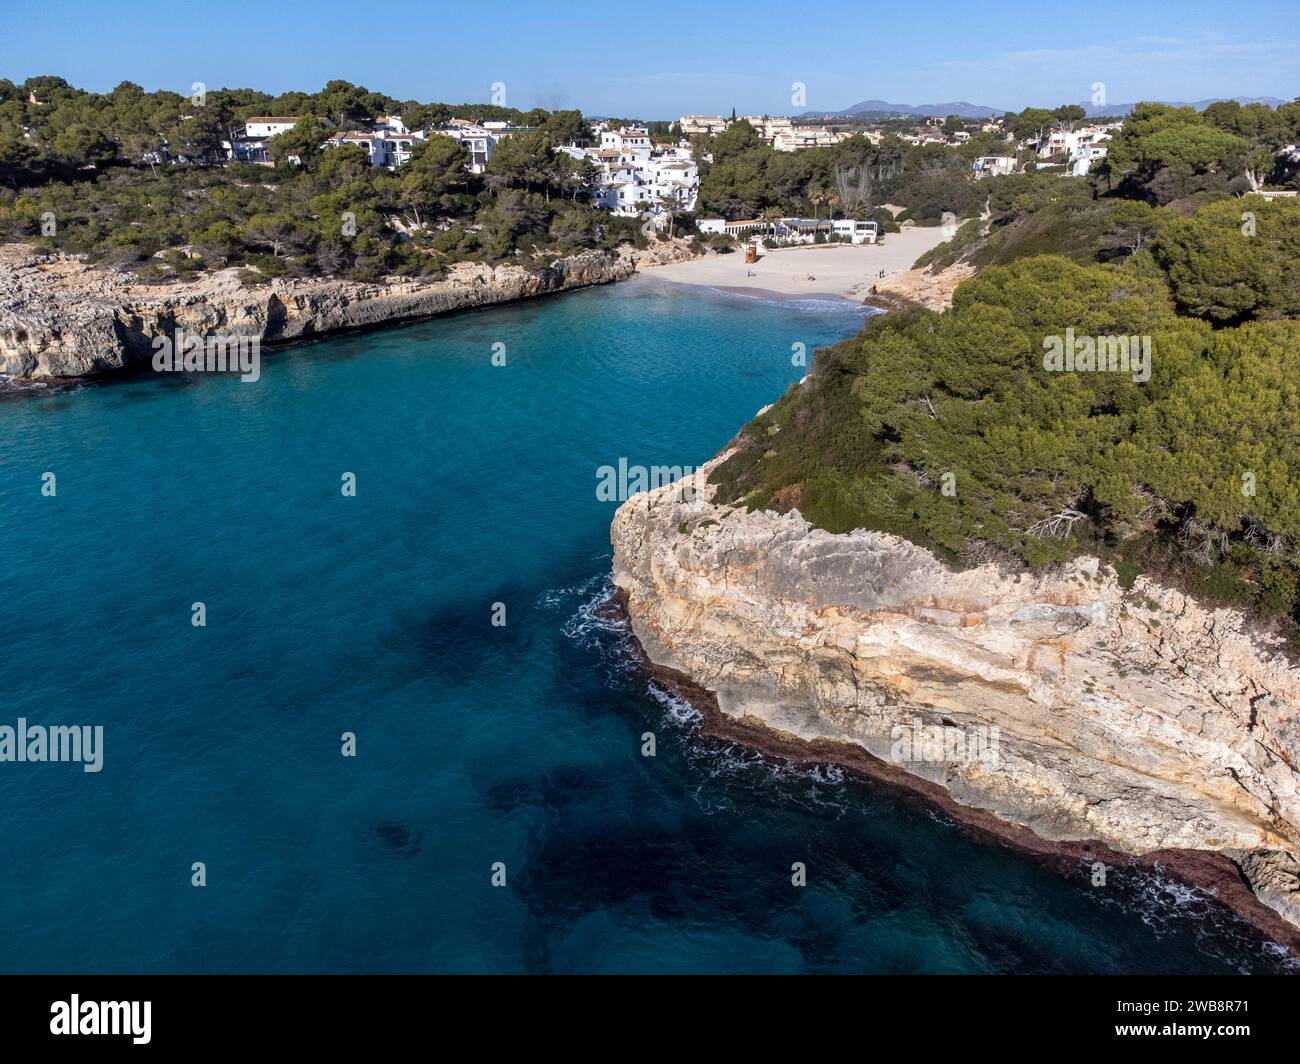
{"x":250,"y":145}
{"x":628,"y":141}
{"x":994,"y":165}
{"x":635,"y":176}
{"x":1082,"y":158}
{"x":796,"y":230}
{"x":1081,"y":147}
{"x":388,"y":143}
{"x":383,"y":146}
{"x":265,"y":128}
{"x":478,"y":139}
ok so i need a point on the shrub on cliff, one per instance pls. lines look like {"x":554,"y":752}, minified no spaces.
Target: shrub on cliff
{"x":952,"y":429}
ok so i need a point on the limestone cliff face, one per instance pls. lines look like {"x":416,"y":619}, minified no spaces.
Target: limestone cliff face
{"x":60,"y":318}
{"x":1137,"y":718}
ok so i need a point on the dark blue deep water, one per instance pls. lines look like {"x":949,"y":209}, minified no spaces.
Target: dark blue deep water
{"x":476,"y":744}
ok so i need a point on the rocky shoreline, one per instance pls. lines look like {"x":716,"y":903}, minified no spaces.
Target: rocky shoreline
{"x":919,"y":287}
{"x":64,"y":321}
{"x":1205,"y":870}
{"x":1137,"y":727}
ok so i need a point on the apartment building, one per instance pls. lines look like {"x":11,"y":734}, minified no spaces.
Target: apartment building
{"x":382,"y":145}
{"x":700,"y":125}
{"x":636,"y":176}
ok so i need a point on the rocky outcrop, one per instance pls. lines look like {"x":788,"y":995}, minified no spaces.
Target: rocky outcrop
{"x":920,"y":286}
{"x":1137,"y":718}
{"x":60,"y":318}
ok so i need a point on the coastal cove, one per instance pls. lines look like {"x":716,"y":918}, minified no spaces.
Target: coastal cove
{"x":521,"y":744}
{"x":62,"y":321}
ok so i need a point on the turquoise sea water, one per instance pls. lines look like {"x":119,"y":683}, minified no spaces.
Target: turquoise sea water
{"x":476,"y":744}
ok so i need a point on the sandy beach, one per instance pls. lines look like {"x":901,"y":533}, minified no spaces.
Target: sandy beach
{"x":838,"y":270}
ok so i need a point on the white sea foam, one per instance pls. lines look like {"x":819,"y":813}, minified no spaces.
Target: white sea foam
{"x":679,"y":711}
{"x":594,"y":627}
{"x":1169,"y":907}
{"x":10,"y":383}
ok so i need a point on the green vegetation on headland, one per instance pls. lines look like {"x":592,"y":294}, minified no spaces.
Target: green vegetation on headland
{"x":950,"y":429}
{"x":748,"y":177}
{"x":1161,"y":157}
{"x":141,"y":181}
{"x":88,"y":163}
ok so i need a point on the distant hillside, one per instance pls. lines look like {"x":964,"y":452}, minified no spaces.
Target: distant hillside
{"x":925,"y":110}
{"x":871,"y":110}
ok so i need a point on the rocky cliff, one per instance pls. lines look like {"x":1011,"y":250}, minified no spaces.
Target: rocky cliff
{"x":1136,"y":718}
{"x":60,"y":318}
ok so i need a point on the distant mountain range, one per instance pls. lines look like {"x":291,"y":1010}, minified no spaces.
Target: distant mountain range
{"x":880,"y":109}
{"x":926,"y":110}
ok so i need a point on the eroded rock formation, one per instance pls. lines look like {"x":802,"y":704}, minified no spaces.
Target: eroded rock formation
{"x":1138,"y":718}
{"x":60,"y":318}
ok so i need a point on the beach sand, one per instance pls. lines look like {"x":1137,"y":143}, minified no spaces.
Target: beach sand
{"x":818,"y":270}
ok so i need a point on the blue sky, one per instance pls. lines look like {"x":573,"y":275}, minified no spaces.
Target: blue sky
{"x":663,"y":58}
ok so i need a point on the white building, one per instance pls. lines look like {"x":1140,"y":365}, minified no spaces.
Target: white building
{"x":627,"y":141}
{"x":736,"y":229}
{"x":806,"y":230}
{"x":1082,"y":158}
{"x":922,"y":138}
{"x":1070,"y":141}
{"x":635,"y":176}
{"x":265,"y":128}
{"x":858,"y":232}
{"x":779,"y":131}
{"x":769,"y":127}
{"x":473,"y":138}
{"x":695,"y":125}
{"x":243,"y":150}
{"x":796,"y":230}
{"x":797,"y":138}
{"x":479,"y":139}
{"x":994,"y":165}
{"x":382,"y":146}
{"x":251,"y":146}
{"x":1081,"y":147}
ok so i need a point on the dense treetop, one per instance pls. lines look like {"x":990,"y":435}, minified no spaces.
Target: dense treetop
{"x":949,"y":428}
{"x":90,"y":162}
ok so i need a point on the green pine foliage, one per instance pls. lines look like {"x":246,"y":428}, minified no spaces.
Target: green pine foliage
{"x":946,"y":428}
{"x":93,"y":163}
